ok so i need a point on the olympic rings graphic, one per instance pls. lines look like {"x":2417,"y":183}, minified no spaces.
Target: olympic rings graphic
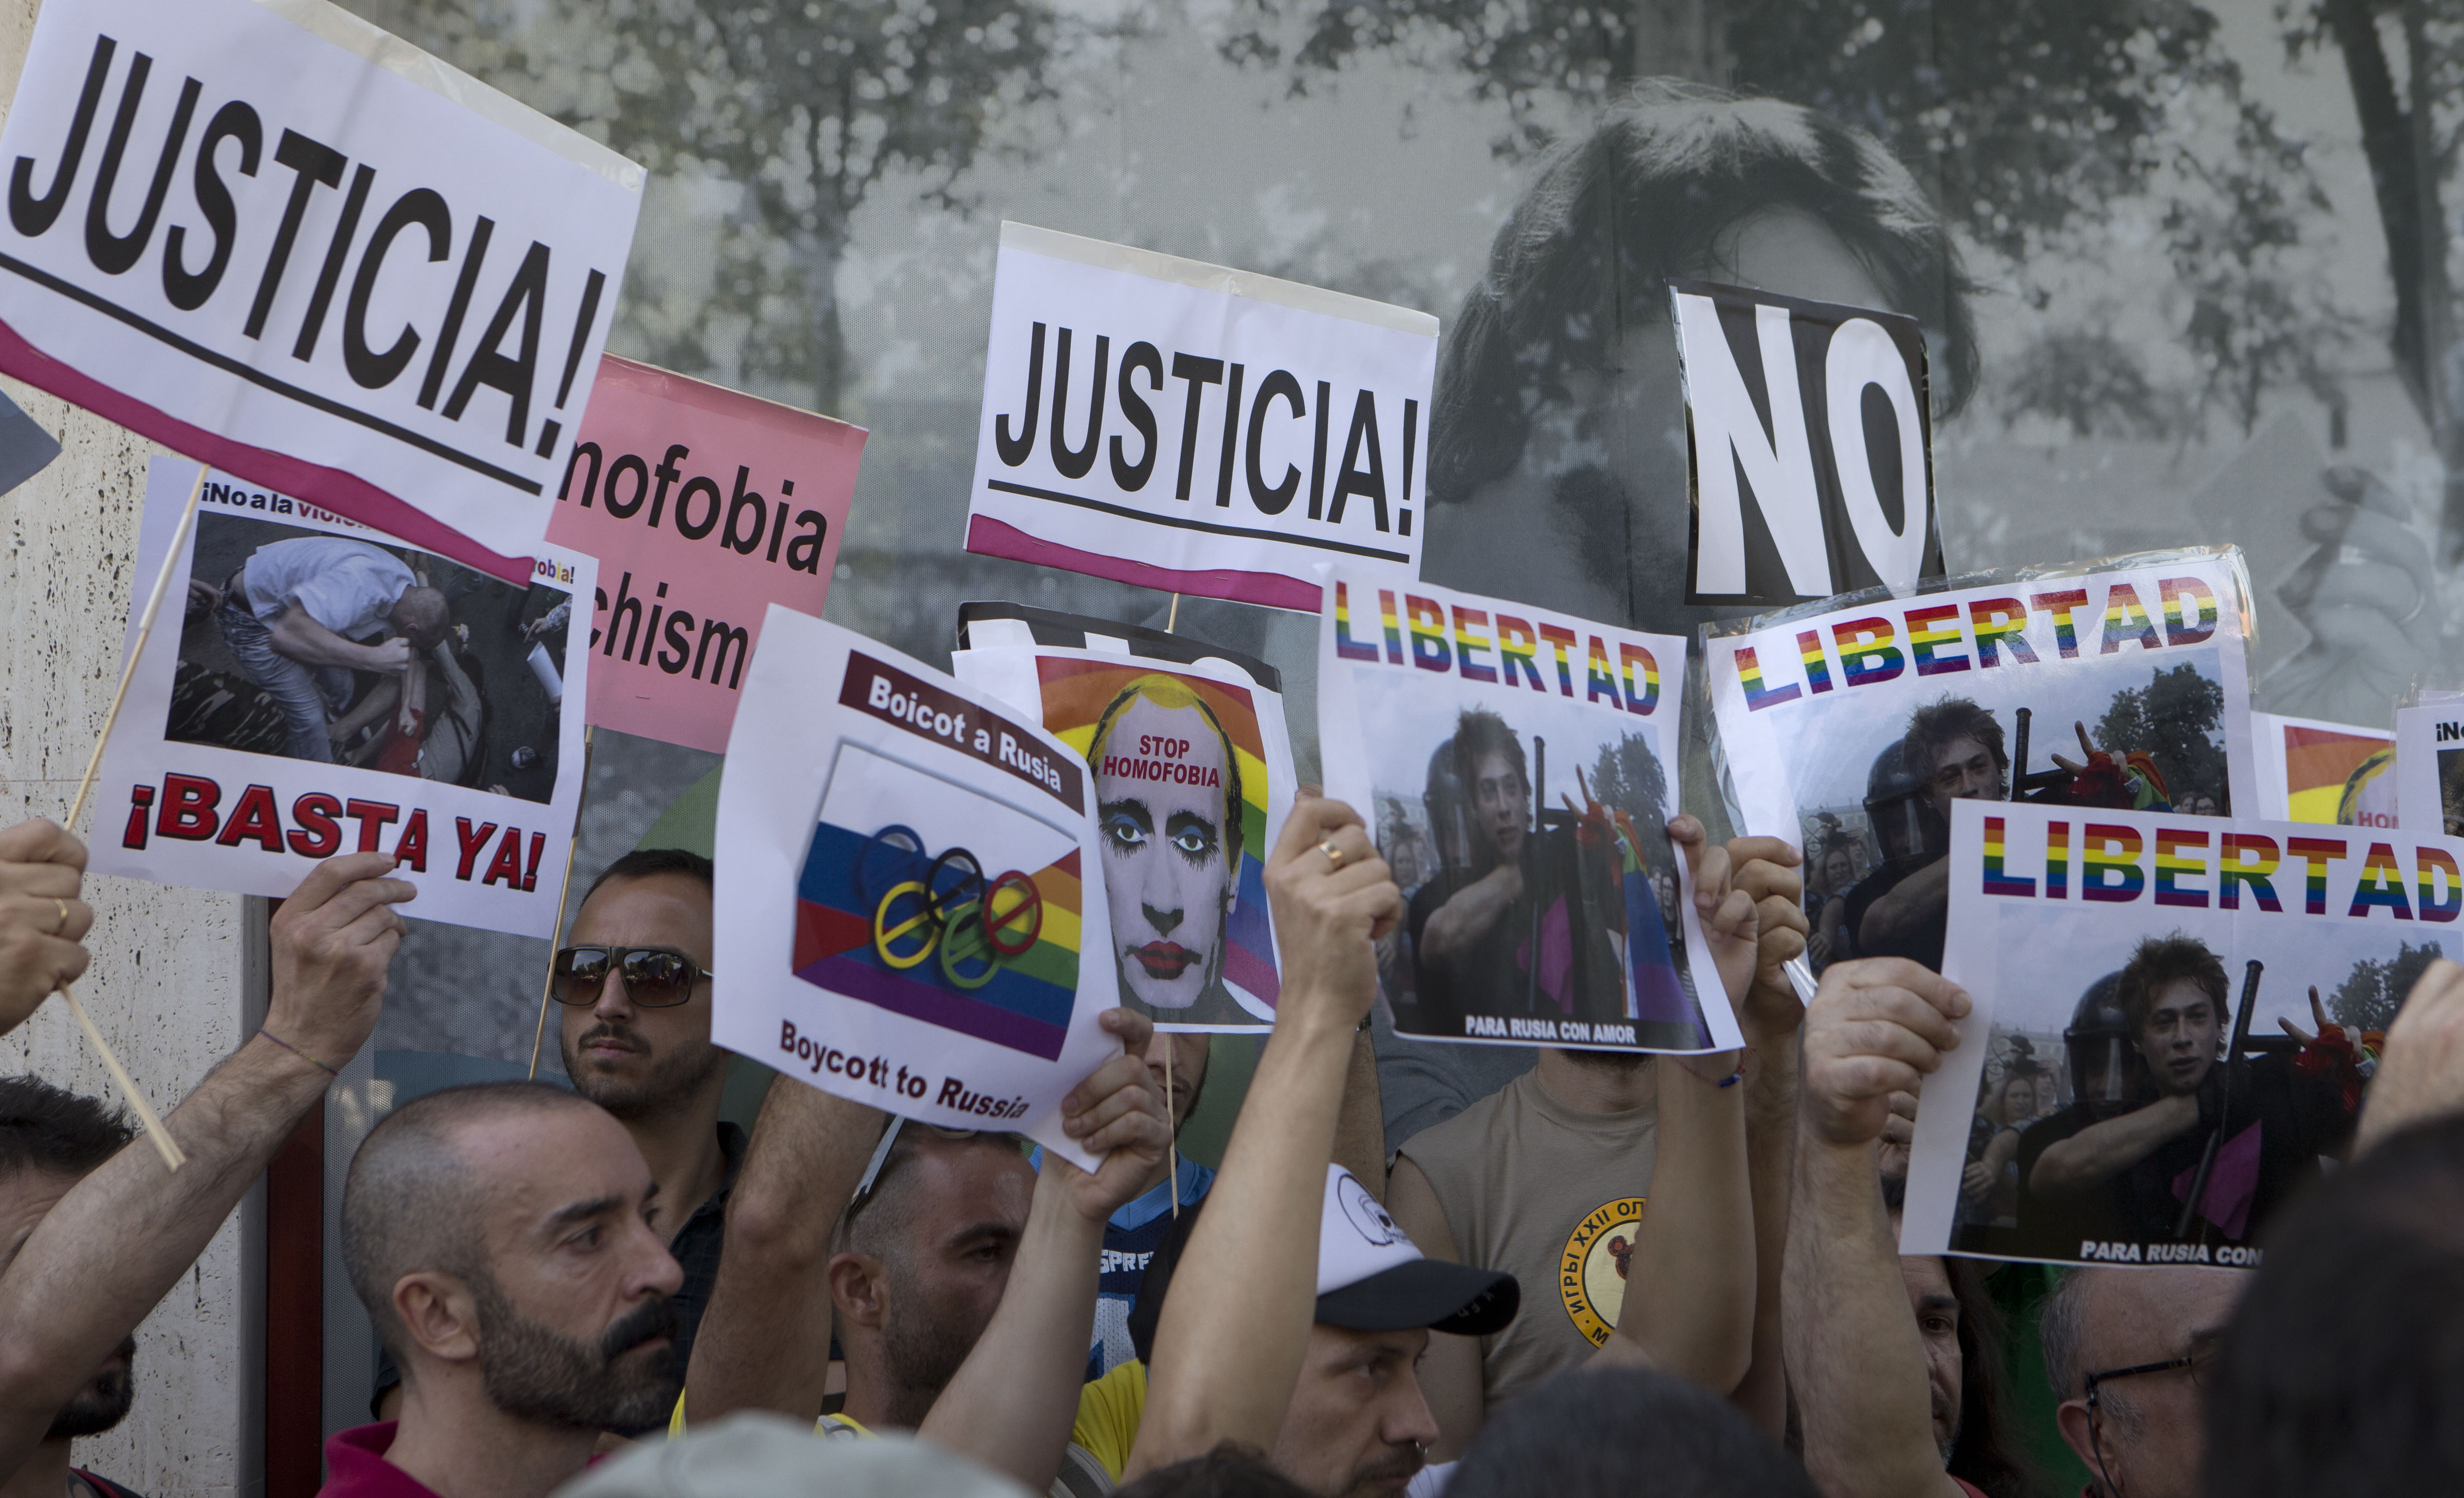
{"x":952,"y":910}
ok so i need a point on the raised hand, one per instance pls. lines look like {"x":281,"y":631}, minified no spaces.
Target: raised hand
{"x":1767,"y":869}
{"x":1876,"y":1027}
{"x":1731,"y":922}
{"x":1333,"y":896}
{"x":1117,"y":1113}
{"x":333,"y":940}
{"x":42,"y":921}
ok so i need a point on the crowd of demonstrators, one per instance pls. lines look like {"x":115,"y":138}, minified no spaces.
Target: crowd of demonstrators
{"x":535,"y":1259}
{"x":634,"y":986}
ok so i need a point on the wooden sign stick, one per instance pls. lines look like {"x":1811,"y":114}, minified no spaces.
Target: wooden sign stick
{"x":160,"y":1137}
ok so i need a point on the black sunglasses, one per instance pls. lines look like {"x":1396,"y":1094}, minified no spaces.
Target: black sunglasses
{"x":655,"y":977}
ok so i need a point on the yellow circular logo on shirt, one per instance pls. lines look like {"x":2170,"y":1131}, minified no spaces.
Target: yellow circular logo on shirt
{"x":1591,"y":1272}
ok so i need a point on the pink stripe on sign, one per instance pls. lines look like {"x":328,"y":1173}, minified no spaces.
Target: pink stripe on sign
{"x":342,"y":493}
{"x":987,"y":537}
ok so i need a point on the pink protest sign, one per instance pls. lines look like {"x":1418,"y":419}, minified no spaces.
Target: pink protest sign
{"x":703,"y":507}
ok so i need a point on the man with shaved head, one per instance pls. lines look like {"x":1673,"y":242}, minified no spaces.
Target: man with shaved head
{"x":501,"y":1239}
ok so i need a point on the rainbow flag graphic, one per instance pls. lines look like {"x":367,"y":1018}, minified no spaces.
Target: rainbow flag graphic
{"x":1658,"y":995}
{"x":1024,"y":1005}
{"x":2325,"y":768}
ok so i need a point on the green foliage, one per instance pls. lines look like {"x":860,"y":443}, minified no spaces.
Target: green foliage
{"x":2174,"y":718}
{"x":2370,"y":994}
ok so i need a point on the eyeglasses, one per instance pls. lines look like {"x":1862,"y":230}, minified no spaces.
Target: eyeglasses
{"x":655,"y":977}
{"x":864,"y":1188}
{"x":2201,"y":1359}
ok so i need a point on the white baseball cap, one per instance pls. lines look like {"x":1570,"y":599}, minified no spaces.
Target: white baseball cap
{"x":1371,"y":1277}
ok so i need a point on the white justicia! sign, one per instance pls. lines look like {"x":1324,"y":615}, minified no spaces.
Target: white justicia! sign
{"x":1198,"y":429}
{"x":271,"y":235}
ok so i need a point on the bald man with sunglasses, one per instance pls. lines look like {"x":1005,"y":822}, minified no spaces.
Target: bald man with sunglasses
{"x":633,"y":990}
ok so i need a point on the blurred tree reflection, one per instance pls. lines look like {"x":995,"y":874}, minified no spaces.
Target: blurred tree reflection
{"x":800,"y":107}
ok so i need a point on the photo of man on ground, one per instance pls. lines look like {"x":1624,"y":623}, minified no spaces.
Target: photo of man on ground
{"x":346,"y":649}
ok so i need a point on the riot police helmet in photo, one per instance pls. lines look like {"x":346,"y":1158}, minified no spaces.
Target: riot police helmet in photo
{"x":1903,"y":817}
{"x":2104,"y":1063}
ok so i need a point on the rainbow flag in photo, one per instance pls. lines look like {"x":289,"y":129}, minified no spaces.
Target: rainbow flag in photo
{"x":1658,"y":995}
{"x":2321,"y":765}
{"x":1027,"y":1004}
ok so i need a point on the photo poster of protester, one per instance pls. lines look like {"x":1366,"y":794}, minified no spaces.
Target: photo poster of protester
{"x":1193,"y":777}
{"x":2310,"y":770}
{"x":1815,"y":416}
{"x":2167,"y":1009}
{"x":2430,"y":765}
{"x":1517,"y":769}
{"x":1851,"y":727}
{"x":329,"y":689}
{"x":1257,"y":426}
{"x":702,"y":504}
{"x":903,"y":889}
{"x":429,"y":377}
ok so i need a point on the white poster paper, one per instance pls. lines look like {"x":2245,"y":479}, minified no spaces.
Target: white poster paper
{"x":1193,"y":779}
{"x":1849,"y":728}
{"x":268,"y":234}
{"x":2134,"y":976}
{"x":900,"y":890}
{"x":1517,"y":769}
{"x":1198,"y":429}
{"x":331,"y":689}
{"x":2430,"y":765}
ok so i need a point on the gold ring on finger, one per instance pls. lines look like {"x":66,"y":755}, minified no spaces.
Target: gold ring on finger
{"x":1334,"y":854}
{"x":64,"y":916}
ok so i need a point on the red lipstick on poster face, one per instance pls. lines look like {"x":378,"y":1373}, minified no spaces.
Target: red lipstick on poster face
{"x":1164,"y":960}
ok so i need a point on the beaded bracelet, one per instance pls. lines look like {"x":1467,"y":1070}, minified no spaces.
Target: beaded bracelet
{"x":319,"y":1064}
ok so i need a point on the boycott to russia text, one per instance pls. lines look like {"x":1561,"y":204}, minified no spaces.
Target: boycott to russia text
{"x":820,"y":1056}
